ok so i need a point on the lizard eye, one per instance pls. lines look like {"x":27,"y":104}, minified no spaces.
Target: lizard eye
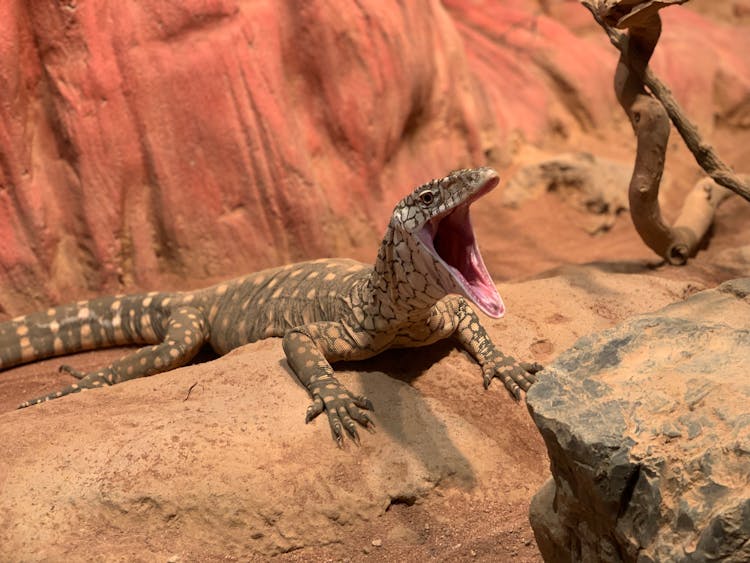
{"x":427,"y":197}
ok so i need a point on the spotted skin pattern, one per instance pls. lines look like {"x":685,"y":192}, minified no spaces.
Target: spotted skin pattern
{"x":325,"y":310}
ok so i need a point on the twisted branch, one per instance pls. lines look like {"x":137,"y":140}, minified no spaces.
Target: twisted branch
{"x":649,"y":113}
{"x":704,"y":153}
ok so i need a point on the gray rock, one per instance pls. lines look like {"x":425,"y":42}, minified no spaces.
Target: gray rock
{"x":648,"y":431}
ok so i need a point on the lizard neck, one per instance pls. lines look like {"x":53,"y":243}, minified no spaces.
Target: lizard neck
{"x":398,"y":282}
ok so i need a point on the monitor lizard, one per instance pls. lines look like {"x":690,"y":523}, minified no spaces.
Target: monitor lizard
{"x":427,"y":270}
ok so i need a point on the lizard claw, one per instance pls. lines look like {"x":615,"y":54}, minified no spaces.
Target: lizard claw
{"x":364,"y":403}
{"x":344,"y":410}
{"x":532,"y":368}
{"x":516,"y":376}
{"x":314,"y":410}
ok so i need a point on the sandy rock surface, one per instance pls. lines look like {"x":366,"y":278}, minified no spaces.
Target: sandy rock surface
{"x":136,"y":471}
{"x":595,"y":188}
{"x":648,"y":434}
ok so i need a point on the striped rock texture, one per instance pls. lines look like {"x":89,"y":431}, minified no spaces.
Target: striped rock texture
{"x":146,"y":143}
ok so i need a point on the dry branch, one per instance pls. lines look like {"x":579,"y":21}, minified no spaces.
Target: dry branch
{"x":698,"y":214}
{"x":649,"y":112}
{"x":704,"y":153}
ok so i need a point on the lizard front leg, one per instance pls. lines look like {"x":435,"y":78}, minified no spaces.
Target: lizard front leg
{"x":472,"y":337}
{"x":310,"y":349}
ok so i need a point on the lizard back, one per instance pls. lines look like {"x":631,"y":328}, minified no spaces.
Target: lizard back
{"x":270,"y":302}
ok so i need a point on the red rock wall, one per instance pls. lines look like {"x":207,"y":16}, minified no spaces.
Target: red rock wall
{"x":209,"y":137}
{"x":148,"y":144}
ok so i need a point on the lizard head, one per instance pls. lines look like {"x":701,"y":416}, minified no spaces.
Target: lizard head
{"x":435,"y":223}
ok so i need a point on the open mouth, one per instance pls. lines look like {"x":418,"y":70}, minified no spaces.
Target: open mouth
{"x":450,"y":239}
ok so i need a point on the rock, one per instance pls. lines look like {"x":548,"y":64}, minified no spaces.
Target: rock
{"x":144,"y":145}
{"x":595,"y":187}
{"x":148,"y":140}
{"x":231,"y":471}
{"x":559,"y":66}
{"x":139,"y":472}
{"x":648,"y":434}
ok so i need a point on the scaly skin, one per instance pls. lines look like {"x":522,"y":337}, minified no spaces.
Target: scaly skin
{"x":325,"y":310}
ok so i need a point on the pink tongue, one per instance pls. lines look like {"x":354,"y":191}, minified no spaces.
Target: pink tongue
{"x":455,"y":243}
{"x":491,"y":304}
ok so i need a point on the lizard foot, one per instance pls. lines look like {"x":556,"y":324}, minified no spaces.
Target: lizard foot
{"x":514,"y":375}
{"x":342,"y":408}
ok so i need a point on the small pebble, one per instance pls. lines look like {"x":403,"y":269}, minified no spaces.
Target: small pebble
{"x":377,"y":543}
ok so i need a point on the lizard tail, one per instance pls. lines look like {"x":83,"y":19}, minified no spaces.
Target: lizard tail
{"x":85,"y":325}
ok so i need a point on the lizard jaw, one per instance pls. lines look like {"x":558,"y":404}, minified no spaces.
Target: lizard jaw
{"x":450,"y":240}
